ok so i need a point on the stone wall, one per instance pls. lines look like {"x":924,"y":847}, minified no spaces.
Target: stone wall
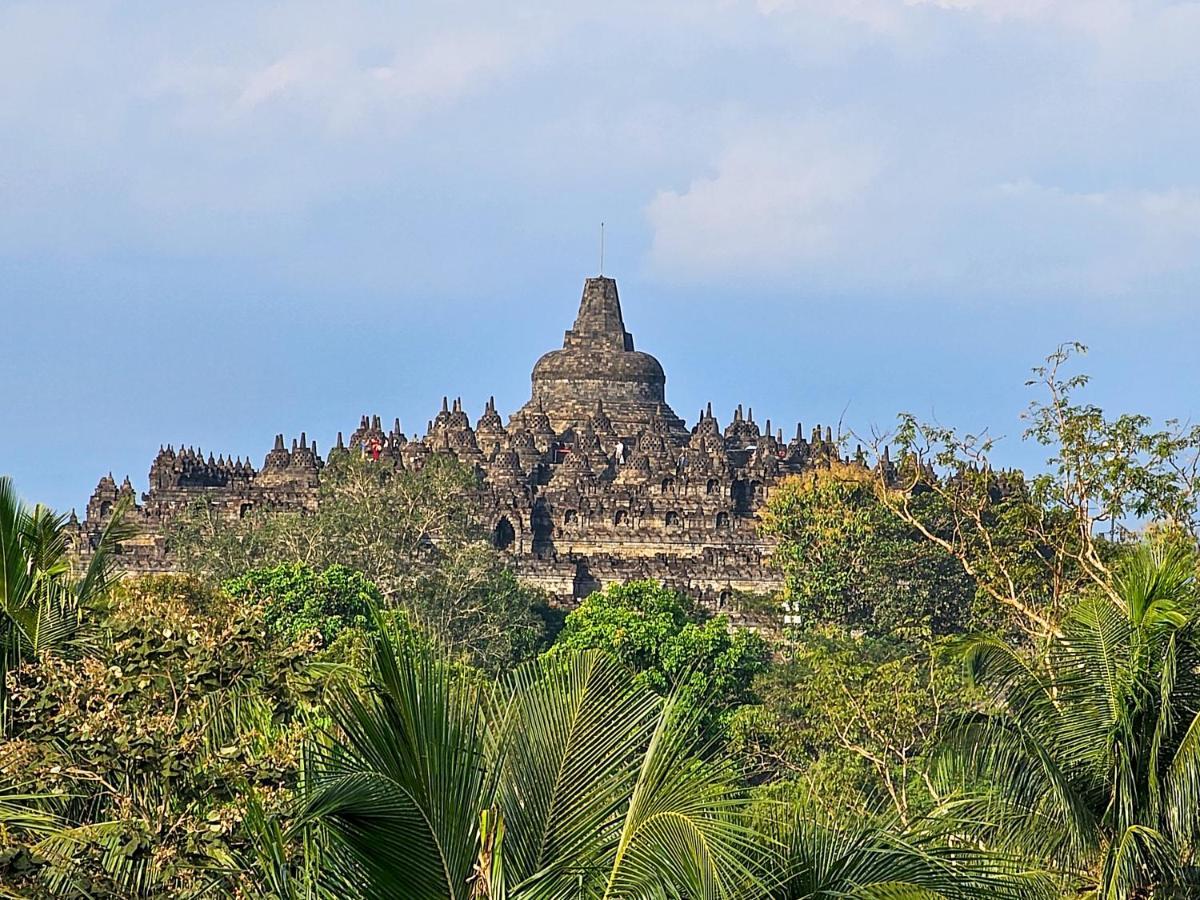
{"x":595,"y":480}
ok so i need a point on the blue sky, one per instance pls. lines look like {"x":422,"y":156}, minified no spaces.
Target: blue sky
{"x":221,"y":221}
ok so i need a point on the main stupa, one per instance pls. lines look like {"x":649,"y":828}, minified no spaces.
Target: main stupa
{"x":598,"y":367}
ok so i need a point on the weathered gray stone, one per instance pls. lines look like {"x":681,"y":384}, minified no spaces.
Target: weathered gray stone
{"x":594,"y":480}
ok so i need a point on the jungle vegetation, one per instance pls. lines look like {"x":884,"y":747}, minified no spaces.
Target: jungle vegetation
{"x":977,"y":683}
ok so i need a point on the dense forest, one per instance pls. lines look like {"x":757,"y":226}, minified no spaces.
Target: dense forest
{"x":977,"y":682}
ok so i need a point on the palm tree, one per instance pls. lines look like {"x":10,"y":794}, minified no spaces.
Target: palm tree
{"x":41,"y":600}
{"x":565,"y":780}
{"x":828,"y":860}
{"x":1087,"y":756}
{"x":568,"y":780}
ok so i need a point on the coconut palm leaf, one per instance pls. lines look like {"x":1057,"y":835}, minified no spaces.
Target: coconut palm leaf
{"x":15,"y":570}
{"x":569,"y":733}
{"x":16,"y":580}
{"x":131,"y":874}
{"x":1155,"y":584}
{"x":40,"y":602}
{"x":824,"y":861}
{"x":1094,"y":766}
{"x":267,"y":871}
{"x":566,"y":780}
{"x":104,"y":565}
{"x":45,"y":544}
{"x":1181,"y":800}
{"x":685,"y":832}
{"x":1139,"y":856}
{"x":26,"y":810}
{"x":400,"y":788}
{"x":1012,"y":786}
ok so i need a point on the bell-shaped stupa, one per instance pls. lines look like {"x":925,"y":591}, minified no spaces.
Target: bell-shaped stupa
{"x":597,"y":364}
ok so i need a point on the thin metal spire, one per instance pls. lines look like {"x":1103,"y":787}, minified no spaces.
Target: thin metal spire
{"x":601,"y":248}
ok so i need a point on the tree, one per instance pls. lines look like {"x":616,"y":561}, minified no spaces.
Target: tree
{"x":393,"y":525}
{"x":1086,"y":756}
{"x":566,"y":779}
{"x":1032,"y":545}
{"x":851,"y":720}
{"x":828,"y":860}
{"x":849,"y":561}
{"x":410,"y":533}
{"x":143,"y":754}
{"x":41,"y":599}
{"x":671,"y":645}
{"x":297,"y":600}
{"x":473,"y":604}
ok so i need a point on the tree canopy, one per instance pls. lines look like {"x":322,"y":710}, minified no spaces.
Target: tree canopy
{"x":849,"y":561}
{"x":673,"y":646}
{"x":411,"y":534}
{"x":978,"y":685}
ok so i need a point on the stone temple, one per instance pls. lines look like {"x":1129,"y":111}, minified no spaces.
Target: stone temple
{"x":594,"y":480}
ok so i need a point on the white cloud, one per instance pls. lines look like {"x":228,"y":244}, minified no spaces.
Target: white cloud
{"x":1114,"y":242}
{"x":776,"y":199}
{"x":1112,"y":26}
{"x":842,"y":208}
{"x":339,"y":86}
{"x":279,"y":76}
{"x":965,"y":146}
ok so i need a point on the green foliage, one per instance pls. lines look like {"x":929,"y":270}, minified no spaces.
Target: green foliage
{"x":670,"y":644}
{"x":1104,"y":469}
{"x":849,"y":561}
{"x":881,"y":858}
{"x":392,"y":525}
{"x":1034,"y":545}
{"x":1086,"y":754}
{"x":412,"y":534}
{"x":850,"y":719}
{"x":297,"y":600}
{"x":570,"y":779}
{"x":344,"y":719}
{"x":567,"y":779}
{"x":473,"y":604}
{"x":41,"y":599}
{"x":143,"y":753}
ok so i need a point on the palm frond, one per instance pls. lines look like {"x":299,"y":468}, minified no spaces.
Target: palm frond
{"x":273,"y":873}
{"x":401,"y":785}
{"x":104,"y":563}
{"x":1015,"y":788}
{"x":45,"y":544}
{"x":886,"y":861}
{"x":569,"y":735}
{"x":26,"y":811}
{"x":686,"y":832}
{"x":1156,"y":582}
{"x":988,"y":661}
{"x":1182,"y":785}
{"x":1096,"y":678}
{"x":15,"y":571}
{"x":1140,"y":856}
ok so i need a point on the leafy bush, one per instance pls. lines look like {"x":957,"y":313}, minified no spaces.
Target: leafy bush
{"x":848,"y":561}
{"x":147,"y":749}
{"x":413,"y":534}
{"x":849,"y":719}
{"x":669,"y":643}
{"x":297,"y":600}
